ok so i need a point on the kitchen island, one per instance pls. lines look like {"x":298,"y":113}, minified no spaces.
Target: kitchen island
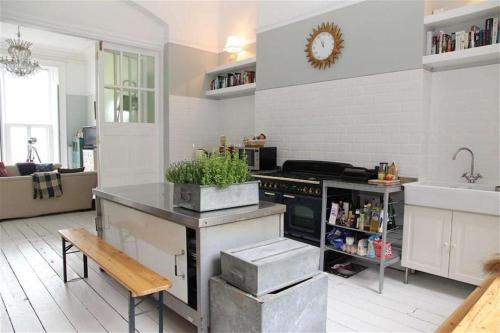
{"x":182,"y":245}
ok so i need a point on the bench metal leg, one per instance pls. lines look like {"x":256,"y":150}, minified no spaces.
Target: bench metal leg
{"x":65,"y":274}
{"x":85,"y":267}
{"x":160,"y":311}
{"x":131,"y":314}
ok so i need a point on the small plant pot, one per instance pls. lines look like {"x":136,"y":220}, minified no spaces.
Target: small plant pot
{"x":202,"y":198}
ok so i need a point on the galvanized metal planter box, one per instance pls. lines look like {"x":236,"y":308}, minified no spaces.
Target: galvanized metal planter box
{"x":299,"y":308}
{"x":202,"y":198}
{"x":267,"y":266}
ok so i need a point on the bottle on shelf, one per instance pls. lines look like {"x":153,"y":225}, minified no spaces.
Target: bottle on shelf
{"x":374,"y":222}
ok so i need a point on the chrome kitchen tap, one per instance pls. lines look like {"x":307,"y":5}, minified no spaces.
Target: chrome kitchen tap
{"x":471,"y":178}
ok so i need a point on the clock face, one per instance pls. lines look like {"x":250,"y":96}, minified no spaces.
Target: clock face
{"x":323,"y":45}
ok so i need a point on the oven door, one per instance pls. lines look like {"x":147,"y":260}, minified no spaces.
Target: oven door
{"x":303,"y":217}
{"x":271,"y":196}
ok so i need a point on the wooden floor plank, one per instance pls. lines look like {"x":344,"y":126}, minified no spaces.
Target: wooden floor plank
{"x":25,"y":230}
{"x":116,"y":300}
{"x":5,"y":323}
{"x":400,"y":320}
{"x":47,"y":310}
{"x":333,"y":326}
{"x":75,"y":311}
{"x":353,"y":304}
{"x":21,"y":313}
{"x":105,"y":314}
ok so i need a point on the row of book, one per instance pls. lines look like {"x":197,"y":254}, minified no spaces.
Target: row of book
{"x":461,"y":40}
{"x":232,"y":80}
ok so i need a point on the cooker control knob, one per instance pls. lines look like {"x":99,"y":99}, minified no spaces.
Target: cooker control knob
{"x":311,"y":190}
{"x":317,"y":191}
{"x":304,"y":189}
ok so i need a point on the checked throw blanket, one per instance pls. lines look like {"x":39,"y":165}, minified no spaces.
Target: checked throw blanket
{"x":47,"y":185}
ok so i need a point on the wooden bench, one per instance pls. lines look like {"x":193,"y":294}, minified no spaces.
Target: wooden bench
{"x":139,"y":280}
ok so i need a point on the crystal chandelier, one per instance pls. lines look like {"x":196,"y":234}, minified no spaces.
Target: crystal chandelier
{"x":19,"y":62}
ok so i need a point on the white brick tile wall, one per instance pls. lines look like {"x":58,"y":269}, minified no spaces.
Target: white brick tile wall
{"x":362,"y":120}
{"x":464,"y":111}
{"x":199,"y":122}
{"x":193,"y":122}
{"x":415,"y":118}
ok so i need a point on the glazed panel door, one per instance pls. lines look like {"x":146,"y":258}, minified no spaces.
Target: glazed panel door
{"x":128,"y":121}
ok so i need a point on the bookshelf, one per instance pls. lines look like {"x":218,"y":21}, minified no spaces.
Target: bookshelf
{"x":478,"y":56}
{"x":233,"y":91}
{"x":462,"y":14}
{"x":461,"y":19}
{"x":236,"y":91}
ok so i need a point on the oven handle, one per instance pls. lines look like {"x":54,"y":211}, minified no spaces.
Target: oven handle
{"x":270,"y":194}
{"x":289,"y":196}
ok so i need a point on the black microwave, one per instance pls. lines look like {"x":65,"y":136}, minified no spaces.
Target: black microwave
{"x":259,"y":158}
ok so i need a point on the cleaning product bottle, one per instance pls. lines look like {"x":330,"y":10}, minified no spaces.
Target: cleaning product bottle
{"x":374,"y":223}
{"x":371,"y":246}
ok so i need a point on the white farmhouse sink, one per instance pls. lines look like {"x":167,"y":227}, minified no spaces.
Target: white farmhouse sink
{"x":475,"y":198}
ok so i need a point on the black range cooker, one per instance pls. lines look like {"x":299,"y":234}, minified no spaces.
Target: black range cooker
{"x":299,"y":185}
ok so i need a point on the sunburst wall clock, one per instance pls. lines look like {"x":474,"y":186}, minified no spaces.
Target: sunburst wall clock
{"x":324,"y":45}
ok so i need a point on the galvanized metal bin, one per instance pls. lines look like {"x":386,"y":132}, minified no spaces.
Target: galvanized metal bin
{"x":267,"y":266}
{"x":203,"y":198}
{"x":298,"y":308}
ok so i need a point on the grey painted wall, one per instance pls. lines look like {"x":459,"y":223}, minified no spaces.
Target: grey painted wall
{"x":379,"y":37}
{"x":186,"y":69}
{"x":77,"y":114}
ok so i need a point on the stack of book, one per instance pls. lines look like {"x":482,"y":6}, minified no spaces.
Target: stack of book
{"x":441,"y":42}
{"x":232,"y":80}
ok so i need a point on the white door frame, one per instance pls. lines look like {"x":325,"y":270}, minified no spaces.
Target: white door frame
{"x":120,"y":39}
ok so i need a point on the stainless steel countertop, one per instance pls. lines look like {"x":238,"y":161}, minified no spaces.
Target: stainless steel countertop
{"x":156,"y":199}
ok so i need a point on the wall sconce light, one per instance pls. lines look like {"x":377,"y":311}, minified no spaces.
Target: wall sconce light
{"x":234,"y":44}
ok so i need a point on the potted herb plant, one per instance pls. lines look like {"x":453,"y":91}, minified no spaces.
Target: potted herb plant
{"x":213,"y":182}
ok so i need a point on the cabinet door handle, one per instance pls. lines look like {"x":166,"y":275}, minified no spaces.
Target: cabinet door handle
{"x":289,"y":196}
{"x":270,"y":194}
{"x":446,"y":244}
{"x":182,"y":276}
{"x":453,"y":245}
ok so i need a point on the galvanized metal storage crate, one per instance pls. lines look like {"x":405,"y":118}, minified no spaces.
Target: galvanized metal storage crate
{"x":270,"y":265}
{"x":202,"y":198}
{"x":298,"y":308}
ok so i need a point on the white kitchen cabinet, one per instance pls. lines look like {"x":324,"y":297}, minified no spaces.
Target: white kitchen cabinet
{"x":474,"y":238}
{"x":426,"y":239}
{"x":142,"y":237}
{"x":449,"y":243}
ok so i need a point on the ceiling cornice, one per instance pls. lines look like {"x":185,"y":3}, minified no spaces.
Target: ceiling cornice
{"x":334,"y":6}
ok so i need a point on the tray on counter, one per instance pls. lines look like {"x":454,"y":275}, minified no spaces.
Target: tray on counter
{"x":384,"y":182}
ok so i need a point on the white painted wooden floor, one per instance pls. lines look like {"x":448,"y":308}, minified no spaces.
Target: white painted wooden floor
{"x":35,"y":299}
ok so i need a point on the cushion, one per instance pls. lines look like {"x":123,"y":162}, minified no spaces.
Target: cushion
{"x":26,"y":169}
{"x":3,"y":171}
{"x":44,"y":167}
{"x":74,"y":170}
